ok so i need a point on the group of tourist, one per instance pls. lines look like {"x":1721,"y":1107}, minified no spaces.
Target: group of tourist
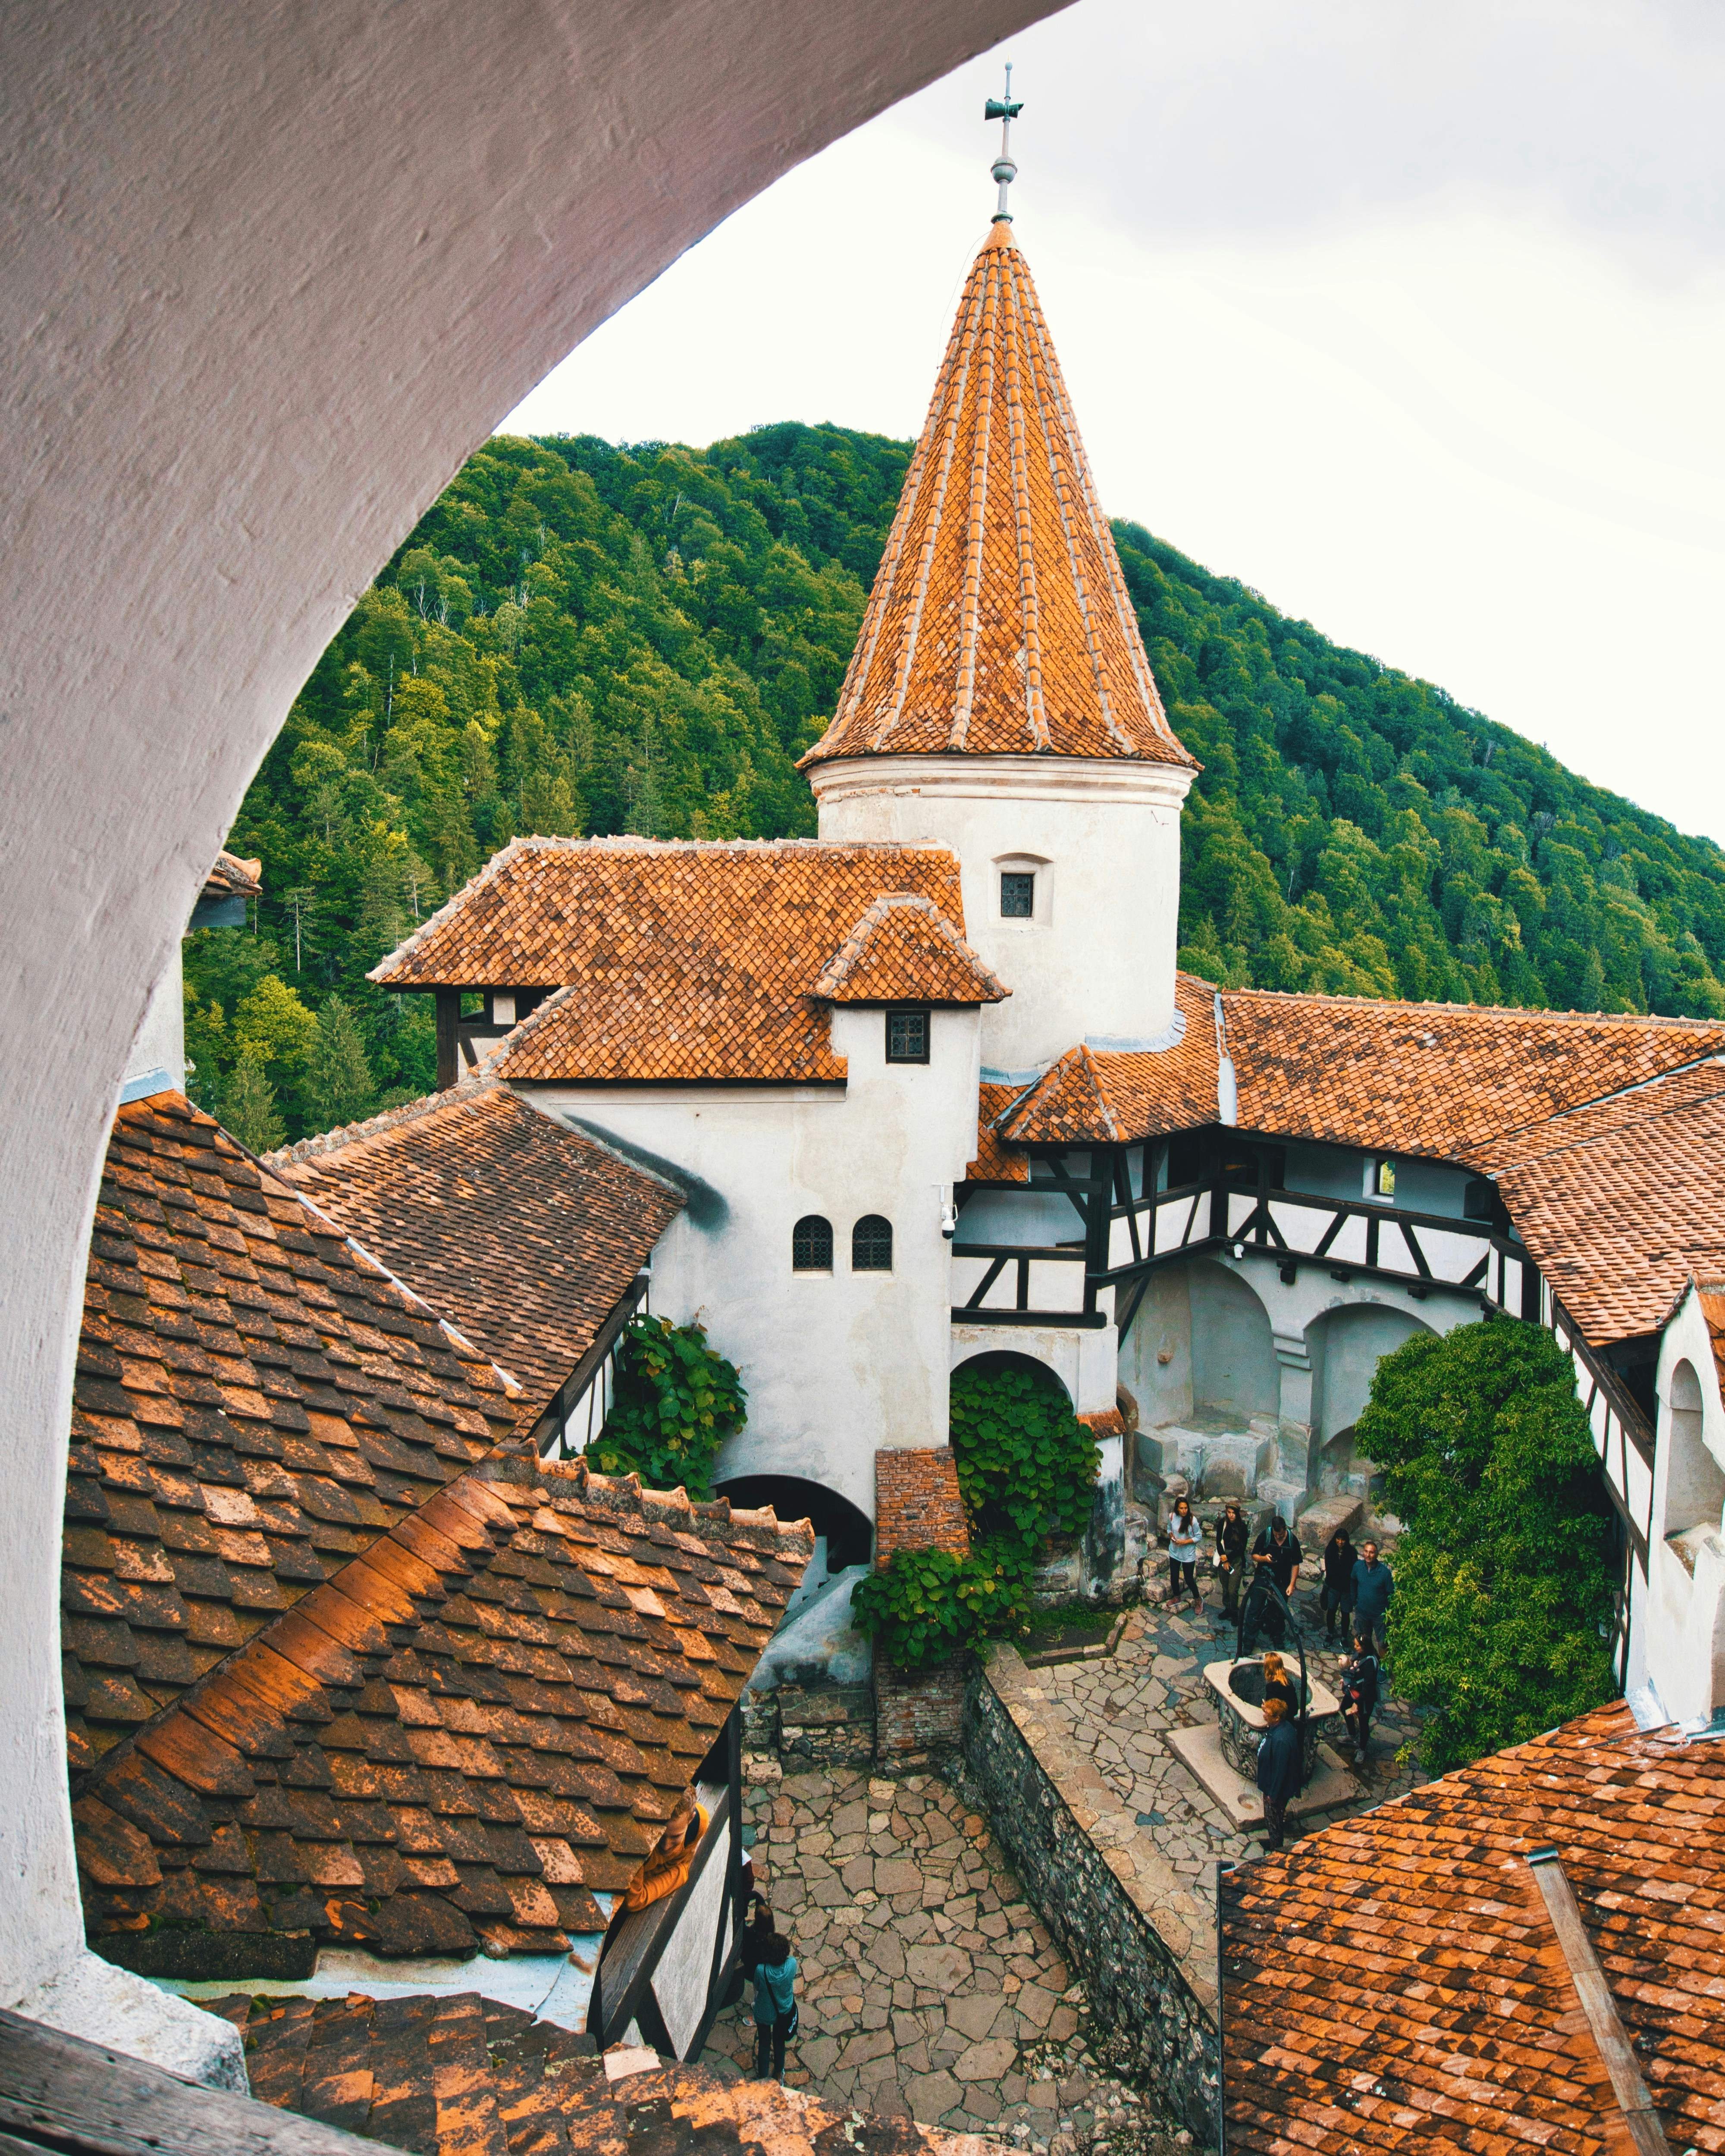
{"x":1354,"y":1596}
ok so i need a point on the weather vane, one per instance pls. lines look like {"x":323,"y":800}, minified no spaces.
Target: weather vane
{"x":1005,"y":171}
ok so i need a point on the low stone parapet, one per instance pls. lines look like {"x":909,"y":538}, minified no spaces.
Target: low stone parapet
{"x":1143,"y":1940}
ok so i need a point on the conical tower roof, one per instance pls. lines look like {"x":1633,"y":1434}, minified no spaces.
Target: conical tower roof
{"x":999,"y":622}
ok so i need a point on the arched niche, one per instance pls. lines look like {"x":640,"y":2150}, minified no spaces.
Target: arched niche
{"x":1694,"y":1481}
{"x":1345,"y":1346}
{"x":1234,"y":1374}
{"x":995,"y":1359}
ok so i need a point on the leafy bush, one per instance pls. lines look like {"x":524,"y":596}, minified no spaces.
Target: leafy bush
{"x":1026,"y":1469}
{"x":677,"y":1400}
{"x":1504,"y":1582}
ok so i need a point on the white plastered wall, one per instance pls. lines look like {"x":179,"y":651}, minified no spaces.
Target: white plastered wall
{"x":271,"y":273}
{"x":1096,"y":962}
{"x":837,"y":1364}
{"x":1677,"y":1627}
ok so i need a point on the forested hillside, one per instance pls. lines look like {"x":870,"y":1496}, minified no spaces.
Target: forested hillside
{"x":584,"y":638}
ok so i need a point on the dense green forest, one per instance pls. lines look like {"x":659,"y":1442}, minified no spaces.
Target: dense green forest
{"x":583,"y":638}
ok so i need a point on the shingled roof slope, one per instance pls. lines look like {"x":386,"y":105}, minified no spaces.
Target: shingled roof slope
{"x":1620,"y":1203}
{"x":999,"y":624}
{"x":463,"y":2075}
{"x":255,"y":1402}
{"x":472,"y":1728}
{"x":903,"y":950}
{"x":524,"y":1232}
{"x":1393,"y":1982}
{"x":1114,"y":1096}
{"x":1438,"y":1079}
{"x":677,"y":961}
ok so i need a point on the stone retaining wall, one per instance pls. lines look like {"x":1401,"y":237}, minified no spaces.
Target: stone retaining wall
{"x":917,"y":1712}
{"x":1143,"y":1940}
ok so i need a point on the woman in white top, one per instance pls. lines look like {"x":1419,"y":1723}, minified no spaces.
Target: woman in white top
{"x":1184,"y":1537}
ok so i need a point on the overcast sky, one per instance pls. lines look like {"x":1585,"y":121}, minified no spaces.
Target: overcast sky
{"x":1412,"y":317}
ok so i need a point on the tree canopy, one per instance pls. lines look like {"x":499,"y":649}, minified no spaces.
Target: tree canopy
{"x":579,"y":636}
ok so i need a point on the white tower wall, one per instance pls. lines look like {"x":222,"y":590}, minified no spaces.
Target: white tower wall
{"x":1096,"y":961}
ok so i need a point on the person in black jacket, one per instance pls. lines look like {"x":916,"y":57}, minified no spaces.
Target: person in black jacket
{"x":1337,"y":1596}
{"x":1360,"y":1683}
{"x":1277,"y":1549}
{"x":1279,"y":1769}
{"x":1232,"y":1538}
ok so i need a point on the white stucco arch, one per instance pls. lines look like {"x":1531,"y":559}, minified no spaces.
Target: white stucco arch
{"x":271,"y":273}
{"x":1010,"y":1357}
{"x":1344,"y":1345}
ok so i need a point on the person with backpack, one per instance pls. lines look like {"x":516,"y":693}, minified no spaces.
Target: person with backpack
{"x":776,"y":2017}
{"x":1281,"y":1769}
{"x":1360,"y":1683}
{"x":1373,"y":1584}
{"x":1337,"y":1598}
{"x":1277,"y":1549}
{"x":1232,"y":1538}
{"x":1184,"y":1537}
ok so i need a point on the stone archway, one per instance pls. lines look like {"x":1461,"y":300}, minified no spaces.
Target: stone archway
{"x":270,"y":275}
{"x":1345,"y":1345}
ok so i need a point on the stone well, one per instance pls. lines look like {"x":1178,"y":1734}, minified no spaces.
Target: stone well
{"x":1238,"y":1688}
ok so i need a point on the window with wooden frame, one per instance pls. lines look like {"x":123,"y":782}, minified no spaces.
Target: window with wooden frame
{"x":871,"y":1244}
{"x":811,"y":1245}
{"x":908,"y":1035}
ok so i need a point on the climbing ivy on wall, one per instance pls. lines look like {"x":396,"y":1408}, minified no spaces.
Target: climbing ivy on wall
{"x":1027,"y":1470}
{"x":677,"y":1400}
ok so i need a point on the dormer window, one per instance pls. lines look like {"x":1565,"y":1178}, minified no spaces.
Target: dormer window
{"x":1018,"y":895}
{"x":907,"y":1035}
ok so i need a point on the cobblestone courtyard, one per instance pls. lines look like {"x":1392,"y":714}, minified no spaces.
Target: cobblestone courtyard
{"x":930,"y":1987}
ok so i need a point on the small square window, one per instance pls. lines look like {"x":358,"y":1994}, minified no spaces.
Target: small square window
{"x":1018,"y":895}
{"x":1386,"y":1178}
{"x":907,"y":1036}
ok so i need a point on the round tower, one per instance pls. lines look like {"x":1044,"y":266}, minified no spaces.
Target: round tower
{"x":1000,"y":702}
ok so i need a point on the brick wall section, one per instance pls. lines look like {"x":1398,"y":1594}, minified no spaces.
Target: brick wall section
{"x":1140,"y":1935}
{"x":917,"y":1502}
{"x":918,"y":1506}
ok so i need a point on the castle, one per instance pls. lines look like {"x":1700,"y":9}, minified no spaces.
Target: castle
{"x":931,"y":1087}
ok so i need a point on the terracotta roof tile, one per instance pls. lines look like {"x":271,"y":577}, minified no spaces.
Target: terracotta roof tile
{"x":1393,"y":1983}
{"x":904,"y":950}
{"x":1105,"y":1094}
{"x":996,"y":1161}
{"x":459,"y":2074}
{"x":1440,"y":1079}
{"x":233,"y":878}
{"x":677,"y":961}
{"x":524,"y":1232}
{"x":461,"y":1736}
{"x":999,"y":622}
{"x":1620,"y":1203}
{"x":254,"y":1402}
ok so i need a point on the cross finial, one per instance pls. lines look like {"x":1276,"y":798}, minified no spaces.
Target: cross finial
{"x":1004,"y":109}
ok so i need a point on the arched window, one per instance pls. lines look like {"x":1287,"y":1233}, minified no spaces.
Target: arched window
{"x":811,"y":1245}
{"x":871,"y":1244}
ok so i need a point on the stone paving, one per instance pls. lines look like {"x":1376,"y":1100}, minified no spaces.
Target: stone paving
{"x":1116,"y":1711}
{"x":929,"y":1987}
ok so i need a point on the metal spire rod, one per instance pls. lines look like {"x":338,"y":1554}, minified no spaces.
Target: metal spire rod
{"x":1004,"y":109}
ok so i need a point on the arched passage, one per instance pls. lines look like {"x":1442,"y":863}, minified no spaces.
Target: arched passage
{"x":1234,"y":1369}
{"x":849,"y":1538}
{"x":1345,"y":1347}
{"x":995,"y":1359}
{"x":270,"y":276}
{"x":1695,"y":1481}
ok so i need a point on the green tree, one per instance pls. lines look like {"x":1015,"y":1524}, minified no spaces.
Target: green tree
{"x":246,"y":1104}
{"x":339,"y":1085}
{"x":1504,"y":1578}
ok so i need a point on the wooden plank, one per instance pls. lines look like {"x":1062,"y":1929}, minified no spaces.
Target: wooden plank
{"x":1603,"y":2021}
{"x":58,"y":2092}
{"x":985,"y":1283}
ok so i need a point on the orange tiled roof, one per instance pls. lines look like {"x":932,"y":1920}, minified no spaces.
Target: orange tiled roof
{"x":1107,"y":1094}
{"x":997,"y":1161}
{"x":254,"y":1403}
{"x":1439,"y":1079}
{"x":461,"y":2075}
{"x":233,"y":877}
{"x":679,"y":961}
{"x":1620,"y":1203}
{"x":524,"y":1232}
{"x":1712,"y":1299}
{"x":999,"y":624}
{"x":904,"y":950}
{"x":476,"y":1724}
{"x":1393,"y":1982}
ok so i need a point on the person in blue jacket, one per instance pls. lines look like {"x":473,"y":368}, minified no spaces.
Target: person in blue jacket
{"x":775,"y":2007}
{"x":1281,"y":1765}
{"x":1373,"y":1584}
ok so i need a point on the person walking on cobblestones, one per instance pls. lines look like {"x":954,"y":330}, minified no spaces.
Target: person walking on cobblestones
{"x":776,"y":2019}
{"x":1232,"y":1538}
{"x":1340,"y":1557}
{"x":1280,"y":1763}
{"x":1373,"y":1584}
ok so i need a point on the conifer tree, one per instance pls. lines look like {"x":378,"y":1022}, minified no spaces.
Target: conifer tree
{"x":247,"y":1105}
{"x":339,"y":1085}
